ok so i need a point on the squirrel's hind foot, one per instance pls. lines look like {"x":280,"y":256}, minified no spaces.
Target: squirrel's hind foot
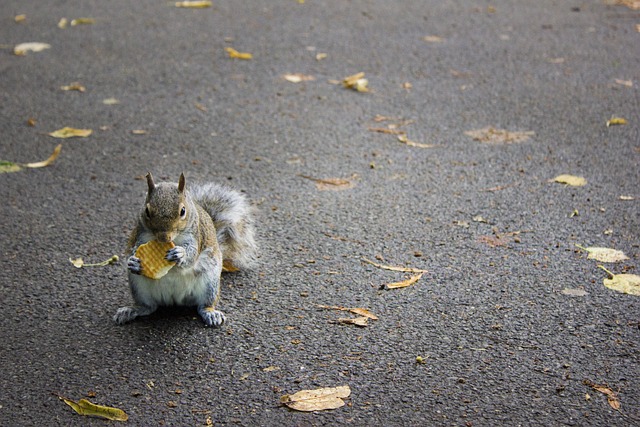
{"x":127,"y":314}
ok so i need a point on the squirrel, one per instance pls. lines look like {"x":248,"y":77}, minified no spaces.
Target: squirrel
{"x":210,"y":225}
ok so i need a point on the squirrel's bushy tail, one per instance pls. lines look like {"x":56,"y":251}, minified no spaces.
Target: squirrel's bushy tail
{"x":232,"y":216}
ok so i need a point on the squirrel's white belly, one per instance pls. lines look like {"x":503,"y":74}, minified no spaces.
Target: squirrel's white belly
{"x":180,"y":286}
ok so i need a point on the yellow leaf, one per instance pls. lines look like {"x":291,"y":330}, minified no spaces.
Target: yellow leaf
{"x":604,"y":254}
{"x":15,"y":167}
{"x":491,"y":135}
{"x":193,"y":4}
{"x":20,"y":18}
{"x":67,"y":132}
{"x":79,"y":263}
{"x":320,"y":56}
{"x":317,"y":400}
{"x":82,"y":21}
{"x":235,"y":54}
{"x":410,"y":281}
{"x":616,"y":121}
{"x":63,"y":23}
{"x":394,"y":268}
{"x":84,"y":407}
{"x":625,"y":283}
{"x":356,"y":82}
{"x":24,"y":48}
{"x":6,"y":167}
{"x":572,"y":180}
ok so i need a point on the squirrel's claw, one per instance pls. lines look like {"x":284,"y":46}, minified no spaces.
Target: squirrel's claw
{"x":176,"y":254}
{"x":134,"y":265}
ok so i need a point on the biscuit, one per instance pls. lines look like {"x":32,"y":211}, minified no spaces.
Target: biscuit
{"x":152,"y":258}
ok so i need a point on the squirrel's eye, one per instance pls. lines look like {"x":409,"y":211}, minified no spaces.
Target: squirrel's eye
{"x":183,"y":212}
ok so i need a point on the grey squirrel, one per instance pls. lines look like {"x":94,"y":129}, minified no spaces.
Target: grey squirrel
{"x":210,"y":225}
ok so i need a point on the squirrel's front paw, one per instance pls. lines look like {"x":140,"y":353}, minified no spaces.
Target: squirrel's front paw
{"x":211,"y":316}
{"x":176,"y":254}
{"x":134,"y":265}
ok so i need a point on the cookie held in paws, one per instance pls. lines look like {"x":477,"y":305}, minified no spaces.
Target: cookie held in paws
{"x":152,"y":258}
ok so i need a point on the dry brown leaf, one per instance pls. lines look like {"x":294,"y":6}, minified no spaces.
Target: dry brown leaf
{"x":572,"y":180}
{"x":612,"y":397}
{"x":394,"y":268}
{"x":491,"y":135}
{"x":239,"y":55}
{"x":67,"y":132}
{"x":23,"y":48}
{"x":433,"y":39}
{"x":317,"y":400}
{"x":631,"y":4}
{"x":298,"y":77}
{"x":74,"y":86}
{"x":358,"y":321}
{"x":331,"y":184}
{"x":403,"y":284}
{"x":405,"y":140}
{"x":84,"y":407}
{"x":359,"y":311}
{"x":193,"y":4}
{"x":627,"y":83}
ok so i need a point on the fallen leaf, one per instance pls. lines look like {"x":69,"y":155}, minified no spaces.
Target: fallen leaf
{"x":317,"y":400}
{"x":320,"y":56}
{"x":572,"y":180}
{"x":139,"y":132}
{"x":405,"y":140}
{"x":616,"y":121}
{"x":62,"y":23}
{"x":74,"y":86}
{"x":631,"y":4}
{"x":110,"y":101}
{"x":84,"y":407}
{"x":82,"y":21}
{"x":332,"y":184}
{"x":433,"y":39}
{"x":420,"y":360}
{"x":79,"y":262}
{"x":359,"y":311}
{"x":574,"y":292}
{"x":627,"y":83}
{"x":298,"y":77}
{"x":20,"y":18}
{"x":6,"y":166}
{"x":68,"y":132}
{"x":193,"y":4}
{"x":491,"y":135}
{"x":604,"y":254}
{"x":235,"y":54}
{"x":356,"y":82}
{"x":358,"y":321}
{"x":612,"y":397}
{"x":627,"y":198}
{"x":625,"y":283}
{"x":394,"y":268}
{"x":24,"y":48}
{"x":403,"y":284}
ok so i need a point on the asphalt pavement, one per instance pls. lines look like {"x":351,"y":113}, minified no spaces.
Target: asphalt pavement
{"x":510,"y":325}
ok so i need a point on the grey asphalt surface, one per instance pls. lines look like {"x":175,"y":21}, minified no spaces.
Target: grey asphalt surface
{"x":501,"y":343}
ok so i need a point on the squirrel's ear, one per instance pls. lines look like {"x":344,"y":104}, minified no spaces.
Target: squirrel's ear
{"x":150,"y":182}
{"x":181,"y":183}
